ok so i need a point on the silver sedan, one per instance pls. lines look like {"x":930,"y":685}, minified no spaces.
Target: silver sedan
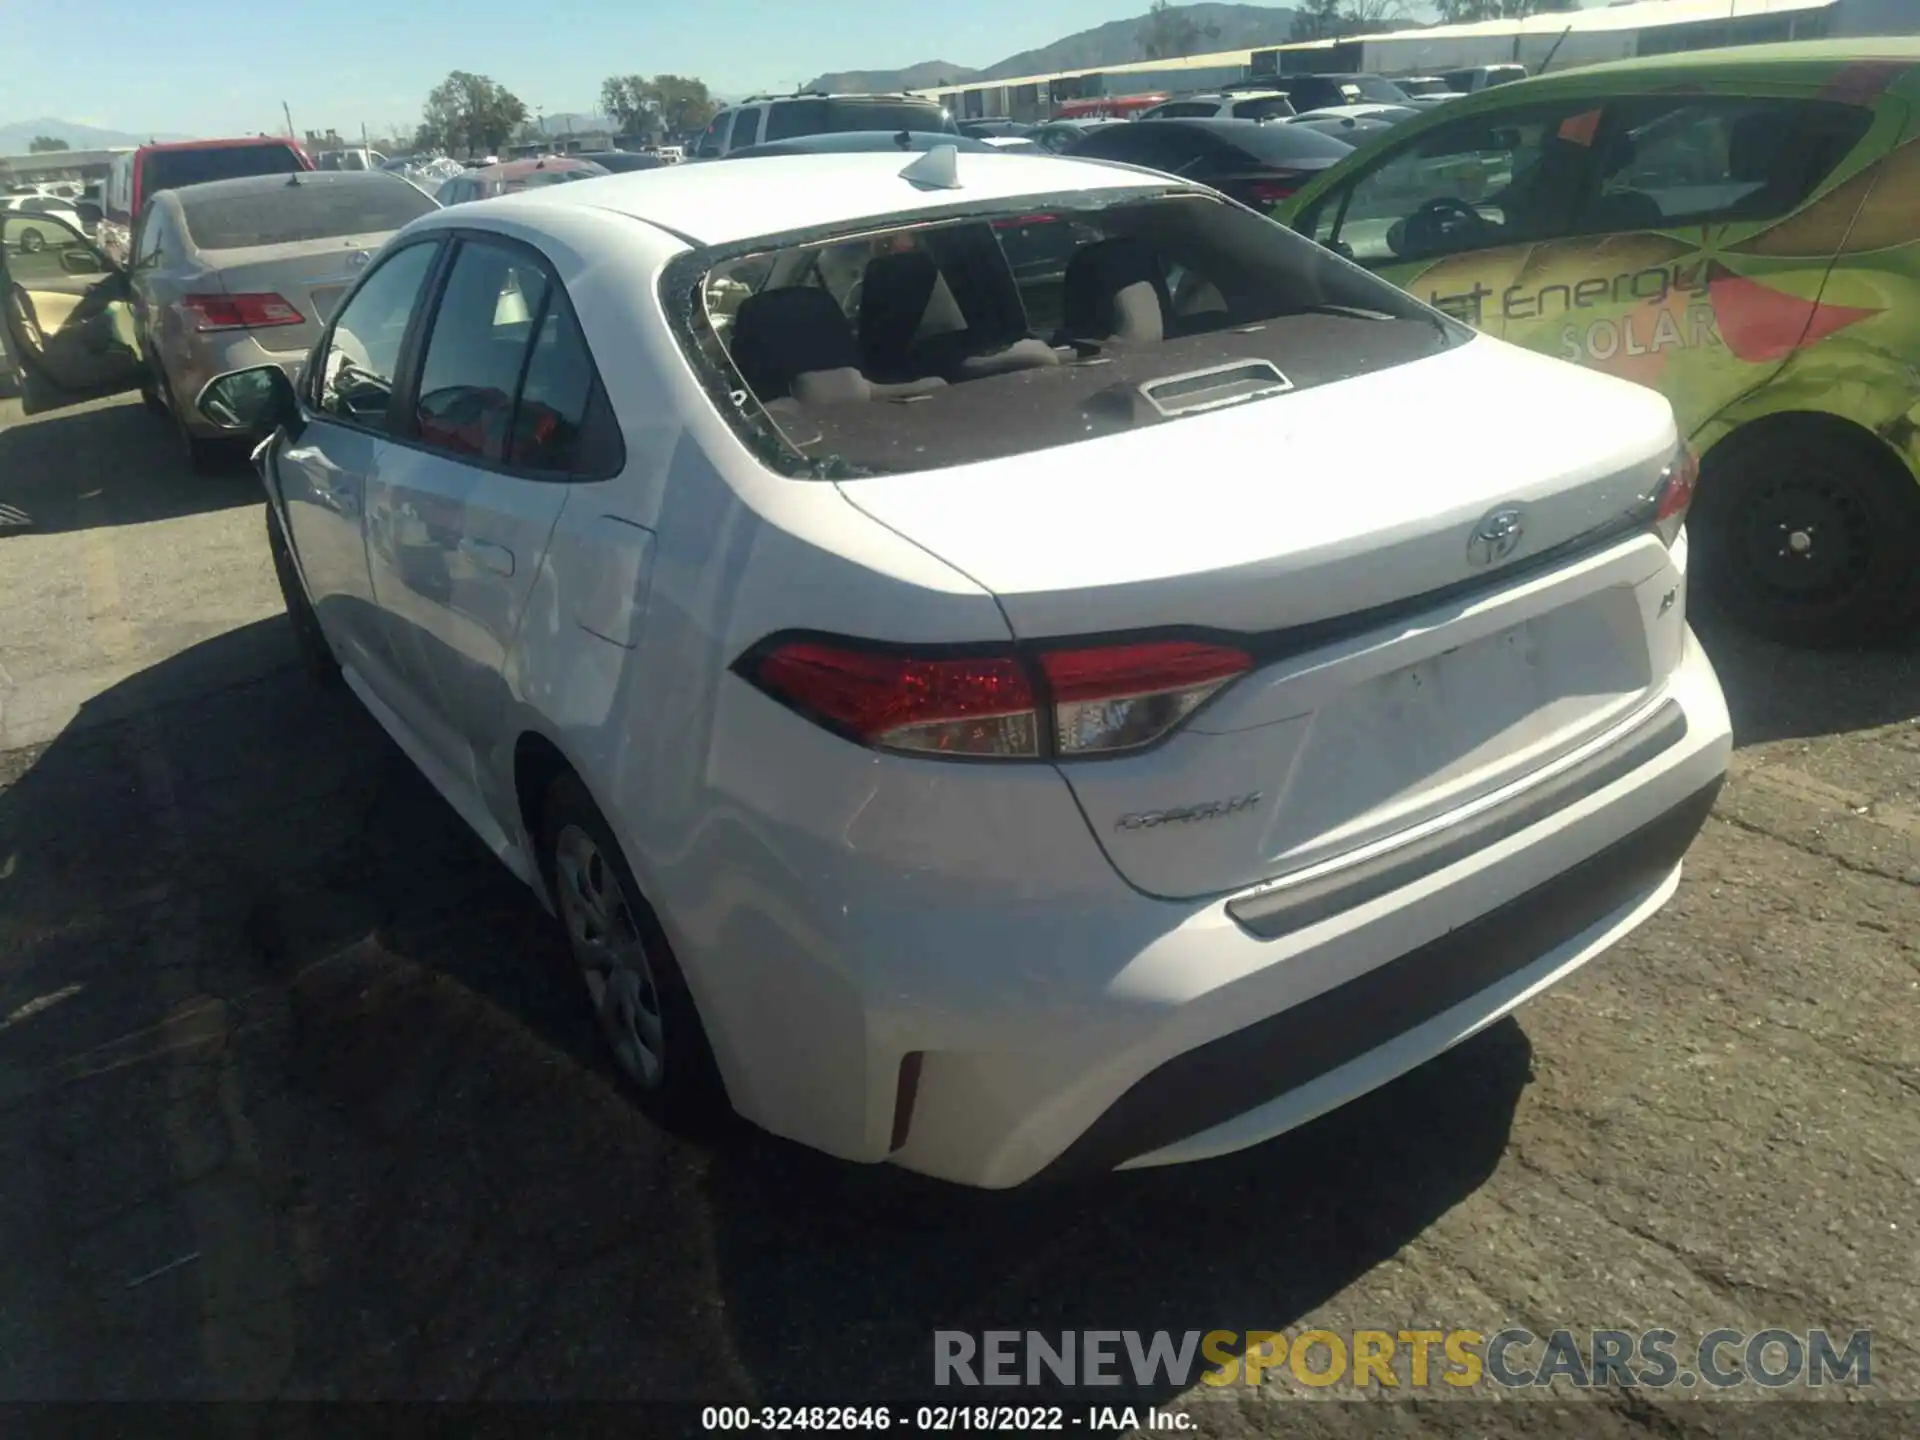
{"x":235,"y":273}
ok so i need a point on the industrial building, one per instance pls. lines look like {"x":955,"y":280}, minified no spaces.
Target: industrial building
{"x":1544,"y":42}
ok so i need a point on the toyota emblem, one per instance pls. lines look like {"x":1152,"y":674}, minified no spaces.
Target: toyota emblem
{"x":1497,"y":536}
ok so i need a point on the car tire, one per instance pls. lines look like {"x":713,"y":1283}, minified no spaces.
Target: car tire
{"x":622,"y":962}
{"x":316,"y":655}
{"x":1808,"y":535}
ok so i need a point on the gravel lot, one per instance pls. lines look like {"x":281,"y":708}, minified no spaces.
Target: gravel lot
{"x":292,"y":1106}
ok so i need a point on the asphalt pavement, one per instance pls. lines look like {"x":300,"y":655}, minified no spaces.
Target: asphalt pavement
{"x":295,"y":1101}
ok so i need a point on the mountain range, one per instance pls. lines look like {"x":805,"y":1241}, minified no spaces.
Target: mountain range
{"x":16,"y":137}
{"x":1118,"y":42}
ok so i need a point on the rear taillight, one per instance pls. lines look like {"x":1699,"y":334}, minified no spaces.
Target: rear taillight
{"x":238,"y":312}
{"x":1120,"y":697}
{"x":1271,"y":192}
{"x":1064,"y":703}
{"x":1675,"y":494}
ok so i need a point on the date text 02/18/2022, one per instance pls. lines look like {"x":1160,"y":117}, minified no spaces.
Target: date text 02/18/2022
{"x":944,"y":1419}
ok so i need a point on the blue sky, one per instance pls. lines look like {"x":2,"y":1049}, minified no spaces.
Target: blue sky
{"x":225,"y":66}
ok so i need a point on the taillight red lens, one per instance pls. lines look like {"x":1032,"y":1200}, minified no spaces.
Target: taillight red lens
{"x":1103,"y":698}
{"x":973,"y":705}
{"x":238,"y":312}
{"x":1676,"y":493}
{"x":1271,"y":192}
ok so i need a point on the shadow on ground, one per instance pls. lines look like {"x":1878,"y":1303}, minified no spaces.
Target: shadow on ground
{"x":298,"y":1101}
{"x":1777,"y":693}
{"x":273,"y":1009}
{"x":69,"y":471}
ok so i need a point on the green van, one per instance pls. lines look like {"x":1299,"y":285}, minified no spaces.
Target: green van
{"x":1739,"y":229}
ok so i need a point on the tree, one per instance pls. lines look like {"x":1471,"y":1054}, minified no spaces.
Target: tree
{"x":683,"y":103}
{"x":45,"y":144}
{"x":676,"y":103}
{"x":1167,"y":33}
{"x":1462,"y":12}
{"x":1376,"y":14}
{"x":468,"y":112}
{"x":625,"y":97}
{"x":1318,"y":20}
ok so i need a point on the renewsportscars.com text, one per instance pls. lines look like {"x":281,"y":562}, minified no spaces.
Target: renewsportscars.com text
{"x":1405,"y":1359}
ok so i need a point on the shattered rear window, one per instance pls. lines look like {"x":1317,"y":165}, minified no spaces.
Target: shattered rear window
{"x":951,"y":340}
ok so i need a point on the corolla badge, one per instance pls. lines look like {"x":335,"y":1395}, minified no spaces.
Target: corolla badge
{"x":1187,"y":814}
{"x":1497,"y":536}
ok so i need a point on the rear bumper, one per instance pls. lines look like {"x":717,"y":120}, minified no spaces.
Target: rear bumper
{"x":1035,"y":1015}
{"x":1278,"y":1072}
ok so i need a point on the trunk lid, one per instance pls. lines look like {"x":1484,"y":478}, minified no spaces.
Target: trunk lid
{"x":312,"y":275}
{"x":1396,"y":674}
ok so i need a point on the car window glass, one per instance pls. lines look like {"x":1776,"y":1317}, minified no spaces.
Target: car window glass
{"x":150,"y":233}
{"x":45,"y":256}
{"x":1180,"y":108}
{"x":474,"y":356}
{"x":1713,"y":160}
{"x":1265,"y":108}
{"x":746,"y":124}
{"x":710,"y":141}
{"x":317,"y":210}
{"x":1041,"y":326}
{"x":1493,"y":180}
{"x":172,"y":169}
{"x":550,"y":418}
{"x":354,"y":376}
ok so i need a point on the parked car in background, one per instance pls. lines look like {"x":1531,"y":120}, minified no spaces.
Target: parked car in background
{"x":994,"y":129}
{"x":227,"y":274}
{"x":1424,"y":89}
{"x":883,"y":815}
{"x":620,"y":162}
{"x":1059,"y":136}
{"x":1228,"y":105}
{"x":1734,"y":228}
{"x":853,"y":142}
{"x":1365,"y":110}
{"x":30,"y":238}
{"x":1476,"y":78}
{"x":509,"y":176}
{"x":1354,"y":132}
{"x":768,"y":118}
{"x":353,"y":158}
{"x":1257,"y":163}
{"x":136,"y":177}
{"x":1318,"y":92}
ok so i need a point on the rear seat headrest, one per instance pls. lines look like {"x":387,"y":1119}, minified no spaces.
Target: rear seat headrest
{"x":781,"y":334}
{"x":1116,"y":290}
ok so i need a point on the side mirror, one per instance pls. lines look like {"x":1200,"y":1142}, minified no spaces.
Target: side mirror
{"x":78,"y":260}
{"x":89,"y":213}
{"x":252,"y":401}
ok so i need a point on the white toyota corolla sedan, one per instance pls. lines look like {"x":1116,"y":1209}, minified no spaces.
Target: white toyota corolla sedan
{"x":1003,"y":665}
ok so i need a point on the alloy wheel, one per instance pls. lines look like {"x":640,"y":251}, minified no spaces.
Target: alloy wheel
{"x":608,"y":947}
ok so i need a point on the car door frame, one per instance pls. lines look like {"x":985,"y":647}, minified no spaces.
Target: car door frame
{"x":456,"y":757}
{"x":19,"y":360}
{"x":310,"y":413}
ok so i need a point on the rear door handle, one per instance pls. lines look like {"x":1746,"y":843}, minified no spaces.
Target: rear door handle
{"x":487,"y":555}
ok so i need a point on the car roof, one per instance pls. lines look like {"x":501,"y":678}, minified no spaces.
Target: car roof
{"x":257,"y":184}
{"x":836,"y":142}
{"x":715,"y":203}
{"x":514,"y":169}
{"x":238,"y":142}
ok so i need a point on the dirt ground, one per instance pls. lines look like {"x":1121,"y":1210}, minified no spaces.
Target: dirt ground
{"x":294,"y":1104}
